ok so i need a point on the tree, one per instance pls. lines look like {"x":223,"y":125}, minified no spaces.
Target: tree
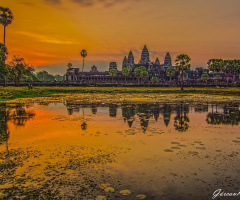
{"x":137,"y":73}
{"x":3,"y":52}
{"x":235,"y":68}
{"x":182,"y":65}
{"x":69,"y":65}
{"x":3,"y":67}
{"x":171,"y":72}
{"x":83,"y":54}
{"x":6,"y":18}
{"x":205,"y":77}
{"x":144,"y":74}
{"x":155,"y":80}
{"x":228,"y":64}
{"x":216,"y":65}
{"x":17,"y":68}
{"x":140,"y":72}
{"x":42,"y":75}
{"x":125,"y":73}
{"x":58,"y":77}
{"x":113,"y":73}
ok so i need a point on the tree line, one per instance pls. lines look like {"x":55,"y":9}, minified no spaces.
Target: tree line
{"x":17,"y":70}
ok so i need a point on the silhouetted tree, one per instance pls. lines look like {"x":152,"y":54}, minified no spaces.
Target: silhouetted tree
{"x":84,"y":55}
{"x":125,"y":73}
{"x":182,"y":65}
{"x":17,"y":68}
{"x":6,"y":18}
{"x":113,"y":73}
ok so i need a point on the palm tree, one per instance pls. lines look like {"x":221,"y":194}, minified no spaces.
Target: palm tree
{"x":182,"y":65}
{"x":6,"y":18}
{"x":171,"y":72}
{"x":83,"y":54}
{"x":144,"y":75}
{"x":125,"y":73}
{"x":3,"y":68}
{"x":137,"y":72}
{"x":113,"y":73}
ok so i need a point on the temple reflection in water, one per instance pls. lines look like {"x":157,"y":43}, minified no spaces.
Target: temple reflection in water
{"x":217,"y":114}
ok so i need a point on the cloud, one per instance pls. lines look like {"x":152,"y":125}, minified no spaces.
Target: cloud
{"x":53,"y":1}
{"x":46,"y":39}
{"x":88,"y":3}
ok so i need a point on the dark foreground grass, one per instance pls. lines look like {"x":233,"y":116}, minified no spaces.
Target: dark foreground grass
{"x":9,"y":93}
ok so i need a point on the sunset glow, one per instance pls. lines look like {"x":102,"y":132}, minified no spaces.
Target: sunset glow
{"x":51,"y":33}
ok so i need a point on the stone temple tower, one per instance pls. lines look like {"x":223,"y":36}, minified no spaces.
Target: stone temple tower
{"x":125,"y":62}
{"x":157,"y":62}
{"x":167,"y":60}
{"x":144,"y":56}
{"x":131,"y":60}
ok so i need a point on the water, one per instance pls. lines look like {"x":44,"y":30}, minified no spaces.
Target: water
{"x":118,"y":151}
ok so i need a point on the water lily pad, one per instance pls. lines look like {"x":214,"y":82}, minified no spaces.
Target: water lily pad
{"x":168,"y":150}
{"x":141,"y":196}
{"x":104,"y":185}
{"x":237,"y":141}
{"x":100,"y":197}
{"x":202,"y":148}
{"x":125,"y":192}
{"x":109,"y":189}
{"x":175,"y":143}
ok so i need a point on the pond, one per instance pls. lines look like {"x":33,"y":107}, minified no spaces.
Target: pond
{"x":68,"y":150}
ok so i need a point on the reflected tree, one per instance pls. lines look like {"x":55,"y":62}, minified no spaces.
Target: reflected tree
{"x":112,"y":110}
{"x":229,"y":116}
{"x":19,"y":115}
{"x":181,"y":121}
{"x":84,"y":124}
{"x":128,"y":115}
{"x":94,"y":109}
{"x":4,"y":131}
{"x":167,"y":114}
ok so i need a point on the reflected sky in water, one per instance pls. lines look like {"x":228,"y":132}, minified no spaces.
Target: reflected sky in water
{"x":103,"y":151}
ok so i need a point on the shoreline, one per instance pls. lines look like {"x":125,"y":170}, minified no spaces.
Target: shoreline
{"x":119,"y":95}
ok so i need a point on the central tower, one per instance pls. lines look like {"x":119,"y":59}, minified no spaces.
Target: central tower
{"x":144,"y":56}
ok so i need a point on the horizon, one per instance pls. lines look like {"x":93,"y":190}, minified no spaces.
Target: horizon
{"x":108,"y":30}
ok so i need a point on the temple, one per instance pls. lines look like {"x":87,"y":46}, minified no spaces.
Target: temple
{"x":74,"y":75}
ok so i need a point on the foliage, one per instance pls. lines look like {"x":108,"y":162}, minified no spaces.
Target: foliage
{"x":45,"y":76}
{"x":83,"y":53}
{"x":144,"y":74}
{"x":3,"y":52}
{"x":17,"y":68}
{"x":205,"y":76}
{"x":216,"y":65}
{"x":171,"y":71}
{"x":3,"y":68}
{"x":125,"y":71}
{"x":6,"y":16}
{"x":141,"y":72}
{"x":113,"y":72}
{"x":182,"y":65}
{"x":137,"y":72}
{"x":155,"y":79}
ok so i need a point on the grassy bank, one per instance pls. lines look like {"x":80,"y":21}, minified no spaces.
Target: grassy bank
{"x":9,"y":93}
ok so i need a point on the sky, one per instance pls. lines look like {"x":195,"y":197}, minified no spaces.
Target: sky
{"x":51,"y":33}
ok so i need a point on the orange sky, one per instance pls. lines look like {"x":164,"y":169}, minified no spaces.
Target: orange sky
{"x":51,"y":33}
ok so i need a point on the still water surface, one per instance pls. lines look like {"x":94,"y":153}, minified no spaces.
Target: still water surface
{"x":118,"y":151}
